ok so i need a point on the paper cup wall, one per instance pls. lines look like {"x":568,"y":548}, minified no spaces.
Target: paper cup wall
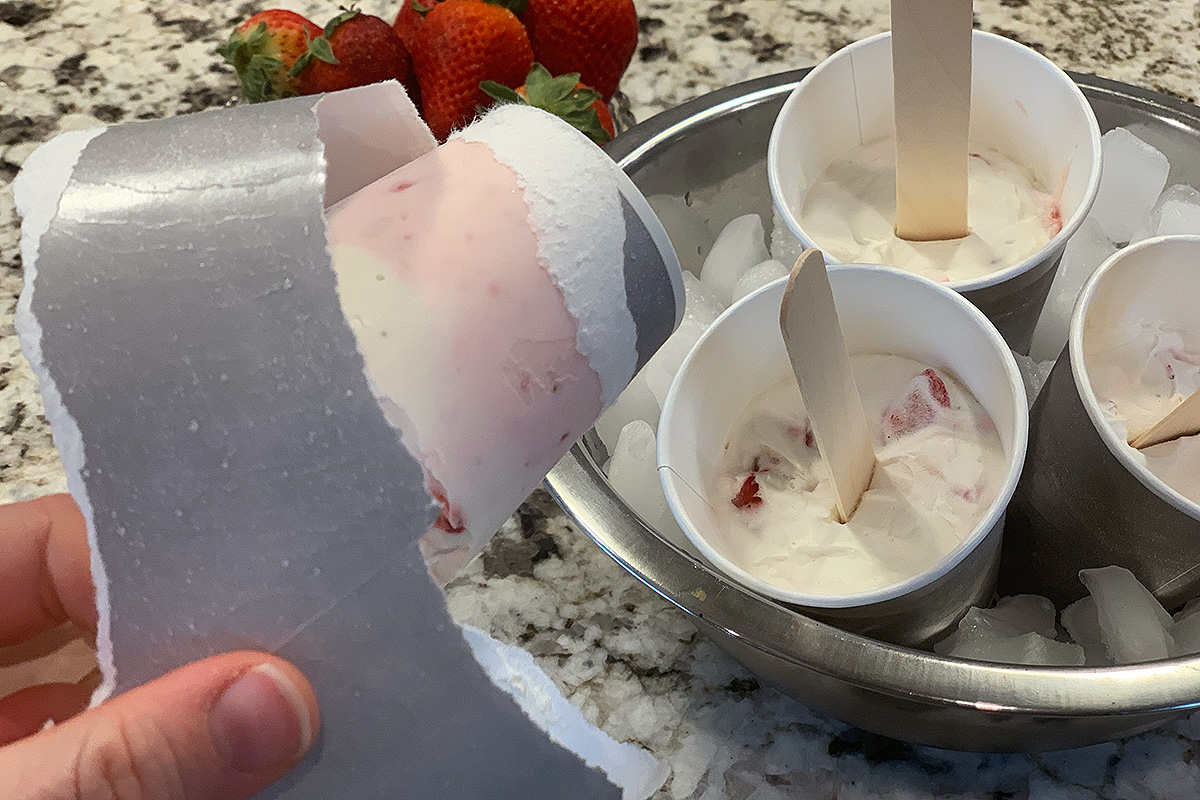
{"x":257,"y":409}
{"x":1086,"y":498}
{"x":1022,"y":105}
{"x":882,"y":311}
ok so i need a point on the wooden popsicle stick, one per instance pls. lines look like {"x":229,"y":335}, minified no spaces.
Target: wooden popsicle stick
{"x":1183,"y":420}
{"x":813,"y":336}
{"x":931,"y":66}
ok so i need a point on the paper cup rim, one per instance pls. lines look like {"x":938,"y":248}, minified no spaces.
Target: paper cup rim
{"x":1042,"y":254}
{"x":1117,"y":446}
{"x":946,"y":563}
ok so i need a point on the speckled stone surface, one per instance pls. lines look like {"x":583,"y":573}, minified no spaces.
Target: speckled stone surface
{"x":620,"y":653}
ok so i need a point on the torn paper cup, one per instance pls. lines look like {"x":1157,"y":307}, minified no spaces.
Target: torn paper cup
{"x":1022,"y":106}
{"x":257,"y":469}
{"x":883,"y":311}
{"x":1087,"y":499}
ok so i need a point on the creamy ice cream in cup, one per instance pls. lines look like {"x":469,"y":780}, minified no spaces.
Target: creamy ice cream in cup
{"x":946,"y":403}
{"x":1087,"y":498}
{"x":1034,"y":170}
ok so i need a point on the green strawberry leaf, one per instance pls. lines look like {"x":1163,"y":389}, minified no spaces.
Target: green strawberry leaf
{"x":558,"y":95}
{"x":500,"y":92}
{"x":517,"y":7}
{"x":256,"y":78}
{"x":321,"y":49}
{"x":419,"y":8}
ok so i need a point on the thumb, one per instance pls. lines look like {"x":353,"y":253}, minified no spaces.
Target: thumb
{"x":219,"y":729}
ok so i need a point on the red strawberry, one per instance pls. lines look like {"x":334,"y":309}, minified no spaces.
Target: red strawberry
{"x":356,"y":49}
{"x":596,"y":38}
{"x":923,"y":395}
{"x":937,"y":388}
{"x":747,"y":495}
{"x":564,"y":97}
{"x":460,"y":44}
{"x":264,"y":50}
{"x":408,"y":21}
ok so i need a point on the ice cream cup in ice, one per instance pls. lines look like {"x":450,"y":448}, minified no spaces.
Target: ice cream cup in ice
{"x":1023,"y":107}
{"x":1088,"y":499}
{"x":883,"y":311}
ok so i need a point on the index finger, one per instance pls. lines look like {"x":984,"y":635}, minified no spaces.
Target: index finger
{"x":45,"y":568}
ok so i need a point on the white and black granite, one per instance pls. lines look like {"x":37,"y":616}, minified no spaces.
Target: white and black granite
{"x":619,"y":652}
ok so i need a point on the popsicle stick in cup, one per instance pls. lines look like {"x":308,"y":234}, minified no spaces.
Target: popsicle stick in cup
{"x":931,"y":69}
{"x":813,"y":336}
{"x":1183,"y":420}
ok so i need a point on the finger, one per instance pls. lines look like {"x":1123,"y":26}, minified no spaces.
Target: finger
{"x":220,"y":729}
{"x":46,"y":569}
{"x":26,"y":712}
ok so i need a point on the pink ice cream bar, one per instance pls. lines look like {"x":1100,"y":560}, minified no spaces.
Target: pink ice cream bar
{"x":486,"y":282}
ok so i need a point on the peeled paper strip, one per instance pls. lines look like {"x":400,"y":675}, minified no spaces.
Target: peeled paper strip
{"x":242,"y":484}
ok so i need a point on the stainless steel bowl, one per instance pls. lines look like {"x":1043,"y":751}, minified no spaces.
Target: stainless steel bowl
{"x":898,"y":692}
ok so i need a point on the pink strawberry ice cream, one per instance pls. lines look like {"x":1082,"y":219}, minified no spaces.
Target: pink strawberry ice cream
{"x":850,"y":212}
{"x":940,"y":465}
{"x":478,"y":290}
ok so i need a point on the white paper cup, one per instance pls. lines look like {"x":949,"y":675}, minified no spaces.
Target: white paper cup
{"x":882,"y":311}
{"x":1022,"y":105}
{"x":1086,"y":499}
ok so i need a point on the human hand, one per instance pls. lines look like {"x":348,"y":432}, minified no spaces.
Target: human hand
{"x":223,"y":728}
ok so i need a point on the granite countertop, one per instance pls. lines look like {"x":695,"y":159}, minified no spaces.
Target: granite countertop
{"x":634,"y":665}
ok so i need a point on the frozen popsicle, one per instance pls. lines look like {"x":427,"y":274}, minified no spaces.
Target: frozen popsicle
{"x":485,"y":283}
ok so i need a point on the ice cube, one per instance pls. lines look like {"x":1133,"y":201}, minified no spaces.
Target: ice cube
{"x":686,"y":226}
{"x":633,"y":471}
{"x":1088,"y":248}
{"x":701,"y":310}
{"x":1185,"y":635}
{"x":785,"y":247}
{"x":1133,"y":173}
{"x":1013,"y":616}
{"x":1192,"y":607}
{"x":1177,"y":211}
{"x":1025,"y":613}
{"x":756,"y":276}
{"x":1031,"y":649}
{"x":1133,"y":624}
{"x":1179,"y":217}
{"x":738,"y":248}
{"x":1033,"y":374}
{"x":700,"y":305}
{"x":636,"y":402}
{"x":1081,"y":622}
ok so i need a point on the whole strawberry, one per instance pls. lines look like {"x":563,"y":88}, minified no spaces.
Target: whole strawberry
{"x":596,"y":38}
{"x":264,"y":50}
{"x":355,"y":49}
{"x":461,"y":43}
{"x":564,"y":96}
